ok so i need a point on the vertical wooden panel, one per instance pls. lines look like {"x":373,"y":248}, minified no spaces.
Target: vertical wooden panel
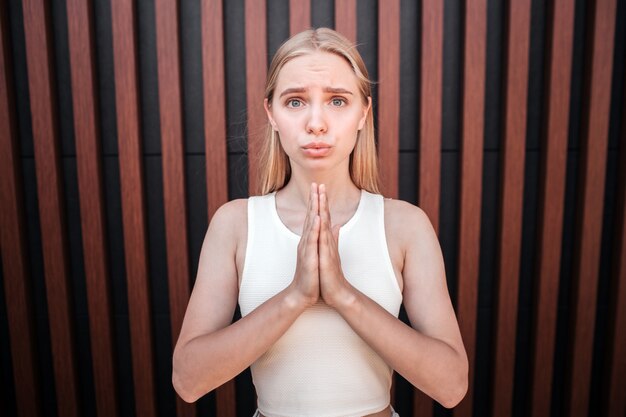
{"x":214,"y":104}
{"x":299,"y":16}
{"x":133,"y":205}
{"x":51,"y":206}
{"x":175,"y":207}
{"x":471,"y":182}
{"x":550,"y":226}
{"x":511,"y":205}
{"x":256,"y":70}
{"x":389,"y":94}
{"x":16,"y":275}
{"x":87,"y":137}
{"x":215,"y":140}
{"x":591,"y":204}
{"x":431,"y":79}
{"x":345,"y":18}
{"x":615,"y":360}
{"x":430,"y":109}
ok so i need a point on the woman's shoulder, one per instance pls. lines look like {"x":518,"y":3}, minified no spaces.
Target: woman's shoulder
{"x":230,"y":216}
{"x":405,"y":220}
{"x":401,"y":209}
{"x":232,"y":210}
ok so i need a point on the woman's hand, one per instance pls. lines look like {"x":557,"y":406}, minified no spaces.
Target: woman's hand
{"x":306,"y":280}
{"x":334,"y":288}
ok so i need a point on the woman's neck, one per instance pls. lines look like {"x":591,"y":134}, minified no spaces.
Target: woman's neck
{"x":341,"y":191}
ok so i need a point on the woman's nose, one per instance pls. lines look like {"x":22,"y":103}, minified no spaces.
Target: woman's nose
{"x":316,"y":123}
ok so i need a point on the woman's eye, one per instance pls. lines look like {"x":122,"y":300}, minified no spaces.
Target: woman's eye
{"x":294,"y":103}
{"x":338,"y":102}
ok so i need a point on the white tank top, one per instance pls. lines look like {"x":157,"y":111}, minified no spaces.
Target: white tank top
{"x":320,"y":367}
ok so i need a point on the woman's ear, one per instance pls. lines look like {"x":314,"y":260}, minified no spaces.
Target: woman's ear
{"x":268,"y":111}
{"x":366,"y":110}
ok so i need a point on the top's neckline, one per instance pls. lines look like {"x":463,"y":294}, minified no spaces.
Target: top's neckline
{"x":344,"y":228}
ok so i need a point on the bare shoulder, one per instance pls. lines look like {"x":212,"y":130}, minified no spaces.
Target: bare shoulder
{"x":234,"y":210}
{"x":404,"y":221}
{"x":228,"y":226}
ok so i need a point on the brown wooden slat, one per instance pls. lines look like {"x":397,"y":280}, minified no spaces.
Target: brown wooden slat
{"x":431,"y":79}
{"x":214,"y":104}
{"x":389,"y":94}
{"x":615,"y":360}
{"x":471,"y":183}
{"x":16,"y":276}
{"x":591,"y":204}
{"x":133,"y":205}
{"x":80,"y":36}
{"x":431,"y":109}
{"x":345,"y":18}
{"x":256,"y":70}
{"x":51,"y":205}
{"x":299,"y":15}
{"x":173,"y":163}
{"x":215,"y":140}
{"x":550,"y":224}
{"x":511,"y":206}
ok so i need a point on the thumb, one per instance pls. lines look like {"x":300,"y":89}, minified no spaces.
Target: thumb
{"x":335,"y":231}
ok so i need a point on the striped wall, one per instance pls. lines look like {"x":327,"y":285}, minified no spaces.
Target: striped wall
{"x":124,"y":126}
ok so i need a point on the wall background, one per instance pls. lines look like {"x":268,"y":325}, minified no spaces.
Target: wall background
{"x":119,"y":141}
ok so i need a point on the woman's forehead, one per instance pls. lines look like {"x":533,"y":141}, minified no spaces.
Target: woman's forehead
{"x":323,"y":69}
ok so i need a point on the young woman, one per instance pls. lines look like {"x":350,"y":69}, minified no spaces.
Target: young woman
{"x":320,"y":262}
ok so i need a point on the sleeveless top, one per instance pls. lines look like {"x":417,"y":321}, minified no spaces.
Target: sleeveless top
{"x":319,"y":367}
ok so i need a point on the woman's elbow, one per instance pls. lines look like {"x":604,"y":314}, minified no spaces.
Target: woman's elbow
{"x":455,"y":394}
{"x":457,"y":390}
{"x":181,"y":390}
{"x":182,"y":385}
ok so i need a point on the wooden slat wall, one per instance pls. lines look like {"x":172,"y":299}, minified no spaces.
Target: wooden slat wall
{"x":214,"y":104}
{"x":430,"y":109}
{"x":256,"y":70}
{"x":552,"y":183}
{"x":51,"y":203}
{"x":345,"y":18}
{"x":471,"y":183}
{"x":80,"y":28}
{"x":133,"y":205}
{"x":215,"y":140}
{"x":17,"y":278}
{"x":389,"y":94}
{"x":170,"y":109}
{"x":299,"y":15}
{"x":426,"y":156}
{"x":430,"y":117}
{"x":590,"y":209}
{"x":511,"y":205}
{"x":615,"y":361}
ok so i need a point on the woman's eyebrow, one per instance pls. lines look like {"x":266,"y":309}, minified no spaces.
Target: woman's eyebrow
{"x":299,"y":90}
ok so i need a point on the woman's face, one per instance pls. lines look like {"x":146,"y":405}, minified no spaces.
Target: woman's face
{"x":317,"y":110}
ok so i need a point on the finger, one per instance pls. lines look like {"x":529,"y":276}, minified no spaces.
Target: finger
{"x":307,"y":218}
{"x":325,"y":239}
{"x":310,"y":212}
{"x":336,"y":228}
{"x":324,"y":210}
{"x":313,"y":236}
{"x":315,"y":199}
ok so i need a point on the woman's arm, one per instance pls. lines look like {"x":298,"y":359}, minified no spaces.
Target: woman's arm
{"x":430,"y":354}
{"x":210,"y":350}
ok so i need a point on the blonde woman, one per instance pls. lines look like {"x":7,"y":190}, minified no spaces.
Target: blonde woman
{"x":320,"y":262}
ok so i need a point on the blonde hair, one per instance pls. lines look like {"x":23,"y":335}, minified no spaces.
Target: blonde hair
{"x":274,"y":167}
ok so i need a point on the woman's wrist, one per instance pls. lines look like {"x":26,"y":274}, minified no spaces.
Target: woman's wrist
{"x":295,"y":300}
{"x":343,"y":297}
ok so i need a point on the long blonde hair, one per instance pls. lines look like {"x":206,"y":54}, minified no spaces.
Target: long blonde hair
{"x":274,"y":167}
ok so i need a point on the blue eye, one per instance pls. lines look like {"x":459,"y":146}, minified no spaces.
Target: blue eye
{"x":338,"y":102}
{"x":294,"y":103}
